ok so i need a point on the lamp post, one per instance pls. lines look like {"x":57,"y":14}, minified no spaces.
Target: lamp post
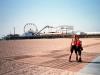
{"x":14,"y":31}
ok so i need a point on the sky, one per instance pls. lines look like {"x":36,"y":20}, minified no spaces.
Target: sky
{"x":84,"y":15}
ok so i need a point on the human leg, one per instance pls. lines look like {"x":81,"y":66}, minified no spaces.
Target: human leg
{"x":70,"y":57}
{"x":79,"y":53}
{"x":71,"y":52}
{"x":76,"y":55}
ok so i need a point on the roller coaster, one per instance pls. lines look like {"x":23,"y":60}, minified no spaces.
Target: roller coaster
{"x":34,"y":30}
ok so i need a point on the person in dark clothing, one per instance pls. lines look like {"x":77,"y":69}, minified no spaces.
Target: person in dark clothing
{"x":79,"y":48}
{"x":76,"y":46}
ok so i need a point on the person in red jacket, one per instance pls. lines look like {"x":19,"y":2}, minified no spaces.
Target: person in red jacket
{"x":76,"y":46}
{"x":79,"y":48}
{"x":73,"y":48}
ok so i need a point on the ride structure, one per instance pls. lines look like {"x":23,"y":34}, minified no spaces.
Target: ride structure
{"x":30,"y":29}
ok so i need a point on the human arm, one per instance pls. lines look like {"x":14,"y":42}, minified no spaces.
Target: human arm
{"x":81,"y":47}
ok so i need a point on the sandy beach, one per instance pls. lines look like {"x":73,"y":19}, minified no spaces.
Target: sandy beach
{"x":39,"y":46}
{"x":49,"y":56}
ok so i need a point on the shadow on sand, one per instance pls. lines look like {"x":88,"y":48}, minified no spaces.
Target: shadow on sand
{"x":91,"y":62}
{"x":88,"y":62}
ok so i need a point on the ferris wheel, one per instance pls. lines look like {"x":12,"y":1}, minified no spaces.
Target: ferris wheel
{"x":30,"y":27}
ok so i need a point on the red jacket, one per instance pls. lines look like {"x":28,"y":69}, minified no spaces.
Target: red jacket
{"x":76,"y":43}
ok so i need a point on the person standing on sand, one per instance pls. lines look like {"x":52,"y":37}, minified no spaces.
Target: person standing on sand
{"x":76,"y":45}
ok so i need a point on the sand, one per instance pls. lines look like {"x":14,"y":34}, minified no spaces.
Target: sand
{"x":39,"y":46}
{"x":44,"y":56}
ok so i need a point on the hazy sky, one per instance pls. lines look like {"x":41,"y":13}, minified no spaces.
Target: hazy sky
{"x":84,"y":15}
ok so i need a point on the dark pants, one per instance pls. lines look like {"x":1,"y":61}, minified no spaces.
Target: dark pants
{"x":76,"y":49}
{"x":73,"y":48}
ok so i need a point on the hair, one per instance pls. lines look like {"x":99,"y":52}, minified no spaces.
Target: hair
{"x":75,"y":36}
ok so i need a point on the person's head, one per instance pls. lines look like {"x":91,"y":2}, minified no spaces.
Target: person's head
{"x":76,"y":37}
